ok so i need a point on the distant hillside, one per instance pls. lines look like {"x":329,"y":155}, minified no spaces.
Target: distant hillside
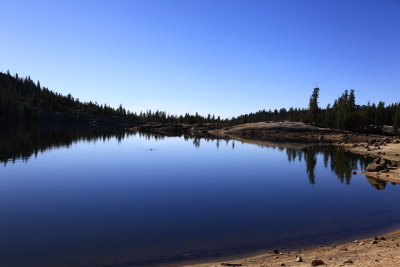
{"x":22,"y":99}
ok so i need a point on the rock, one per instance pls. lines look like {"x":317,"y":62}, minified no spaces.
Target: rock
{"x":282,"y":264}
{"x":378,"y":164}
{"x":356,"y":241}
{"x":371,"y":142}
{"x":383,"y":238}
{"x":299,"y":259}
{"x":317,"y":262}
{"x":361,"y":243}
{"x":374,"y":242}
{"x":275,"y":251}
{"x":348,"y":261}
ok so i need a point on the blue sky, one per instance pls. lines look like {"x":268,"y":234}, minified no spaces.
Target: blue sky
{"x":220,"y":57}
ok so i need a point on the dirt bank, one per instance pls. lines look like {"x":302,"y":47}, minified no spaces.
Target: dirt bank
{"x":364,"y":252}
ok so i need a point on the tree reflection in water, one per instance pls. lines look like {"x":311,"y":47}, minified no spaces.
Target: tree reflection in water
{"x":21,"y":142}
{"x":341,"y":163}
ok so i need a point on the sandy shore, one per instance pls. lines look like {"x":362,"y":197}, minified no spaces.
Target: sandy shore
{"x":363,"y":252}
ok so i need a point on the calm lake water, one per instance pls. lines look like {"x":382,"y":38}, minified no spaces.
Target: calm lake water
{"x":100,"y":198}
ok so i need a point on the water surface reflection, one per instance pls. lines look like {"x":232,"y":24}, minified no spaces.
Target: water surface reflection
{"x":107,"y":197}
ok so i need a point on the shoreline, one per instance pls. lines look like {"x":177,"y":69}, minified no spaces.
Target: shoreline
{"x":381,"y":250}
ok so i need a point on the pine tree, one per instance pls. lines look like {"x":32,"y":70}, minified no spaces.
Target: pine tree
{"x":313,"y":109}
{"x":380,"y":115}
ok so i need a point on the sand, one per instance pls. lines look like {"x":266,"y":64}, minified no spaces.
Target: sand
{"x":360,"y":253}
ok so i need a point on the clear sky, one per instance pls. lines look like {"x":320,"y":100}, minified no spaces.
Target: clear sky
{"x":222,"y":57}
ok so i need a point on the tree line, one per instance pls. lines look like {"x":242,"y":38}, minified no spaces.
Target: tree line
{"x":22,"y":98}
{"x":343,"y":114}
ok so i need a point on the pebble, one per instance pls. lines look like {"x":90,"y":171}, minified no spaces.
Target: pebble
{"x":361,"y":243}
{"x":348,"y":261}
{"x":282,"y":264}
{"x":317,"y":262}
{"x":299,"y":259}
{"x":275,"y":251}
{"x":374,"y":242}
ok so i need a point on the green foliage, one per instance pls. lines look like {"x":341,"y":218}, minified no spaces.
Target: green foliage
{"x":22,"y":99}
{"x":344,"y":114}
{"x":313,"y":109}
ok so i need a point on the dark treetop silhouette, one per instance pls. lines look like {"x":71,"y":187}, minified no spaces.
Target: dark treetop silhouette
{"x":22,"y":99}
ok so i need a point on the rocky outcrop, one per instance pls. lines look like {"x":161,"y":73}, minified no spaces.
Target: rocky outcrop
{"x":379,"y":164}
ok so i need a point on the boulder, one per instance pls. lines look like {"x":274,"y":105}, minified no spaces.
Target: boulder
{"x":378,"y":165}
{"x":372,"y":141}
